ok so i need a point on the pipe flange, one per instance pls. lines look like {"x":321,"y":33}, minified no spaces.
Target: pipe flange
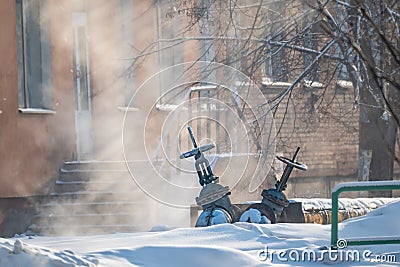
{"x":275,"y":197}
{"x":211,"y":193}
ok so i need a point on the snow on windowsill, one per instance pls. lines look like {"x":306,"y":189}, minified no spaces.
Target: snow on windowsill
{"x":203,"y":88}
{"x":36,"y":111}
{"x":344,"y":84}
{"x":313,"y":84}
{"x":128,"y":109}
{"x":271,"y":84}
{"x":170,"y":107}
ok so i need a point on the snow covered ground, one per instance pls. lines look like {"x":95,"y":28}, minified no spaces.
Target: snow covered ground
{"x":239,"y":244}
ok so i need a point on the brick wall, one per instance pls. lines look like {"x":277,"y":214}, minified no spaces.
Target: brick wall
{"x":324,"y":123}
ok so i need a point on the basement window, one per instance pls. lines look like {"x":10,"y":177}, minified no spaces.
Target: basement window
{"x":34,"y":55}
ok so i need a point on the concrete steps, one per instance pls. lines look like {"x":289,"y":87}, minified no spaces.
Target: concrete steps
{"x":92,"y":197}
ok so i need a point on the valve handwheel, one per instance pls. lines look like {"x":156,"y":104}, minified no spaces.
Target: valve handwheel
{"x":292,"y":163}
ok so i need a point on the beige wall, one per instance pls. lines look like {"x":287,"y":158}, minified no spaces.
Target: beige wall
{"x":33,"y":146}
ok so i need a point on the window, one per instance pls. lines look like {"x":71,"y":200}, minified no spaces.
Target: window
{"x":125,"y":35}
{"x":275,"y":67}
{"x":343,"y":73}
{"x":170,"y":54}
{"x":34,"y":55}
{"x":276,"y":63}
{"x":310,"y":43}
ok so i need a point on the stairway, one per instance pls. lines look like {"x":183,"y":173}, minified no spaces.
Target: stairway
{"x":92,"y":197}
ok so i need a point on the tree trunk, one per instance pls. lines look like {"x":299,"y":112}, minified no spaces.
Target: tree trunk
{"x":377,"y":136}
{"x":378,"y":127}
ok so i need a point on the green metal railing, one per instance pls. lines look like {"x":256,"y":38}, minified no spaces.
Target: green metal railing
{"x":359,"y":186}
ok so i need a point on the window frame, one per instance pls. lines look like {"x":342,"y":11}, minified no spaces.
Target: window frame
{"x":33,"y":56}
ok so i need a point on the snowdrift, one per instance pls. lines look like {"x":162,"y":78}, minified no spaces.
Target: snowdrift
{"x":16,"y":253}
{"x":239,"y":244}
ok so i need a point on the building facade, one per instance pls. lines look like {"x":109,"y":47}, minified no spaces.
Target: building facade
{"x":67,"y":81}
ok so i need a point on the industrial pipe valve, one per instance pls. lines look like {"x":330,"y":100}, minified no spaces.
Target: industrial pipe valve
{"x":274,"y":200}
{"x":213,"y":198}
{"x":203,"y":168}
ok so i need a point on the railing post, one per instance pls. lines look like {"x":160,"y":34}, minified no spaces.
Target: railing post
{"x":335,"y":210}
